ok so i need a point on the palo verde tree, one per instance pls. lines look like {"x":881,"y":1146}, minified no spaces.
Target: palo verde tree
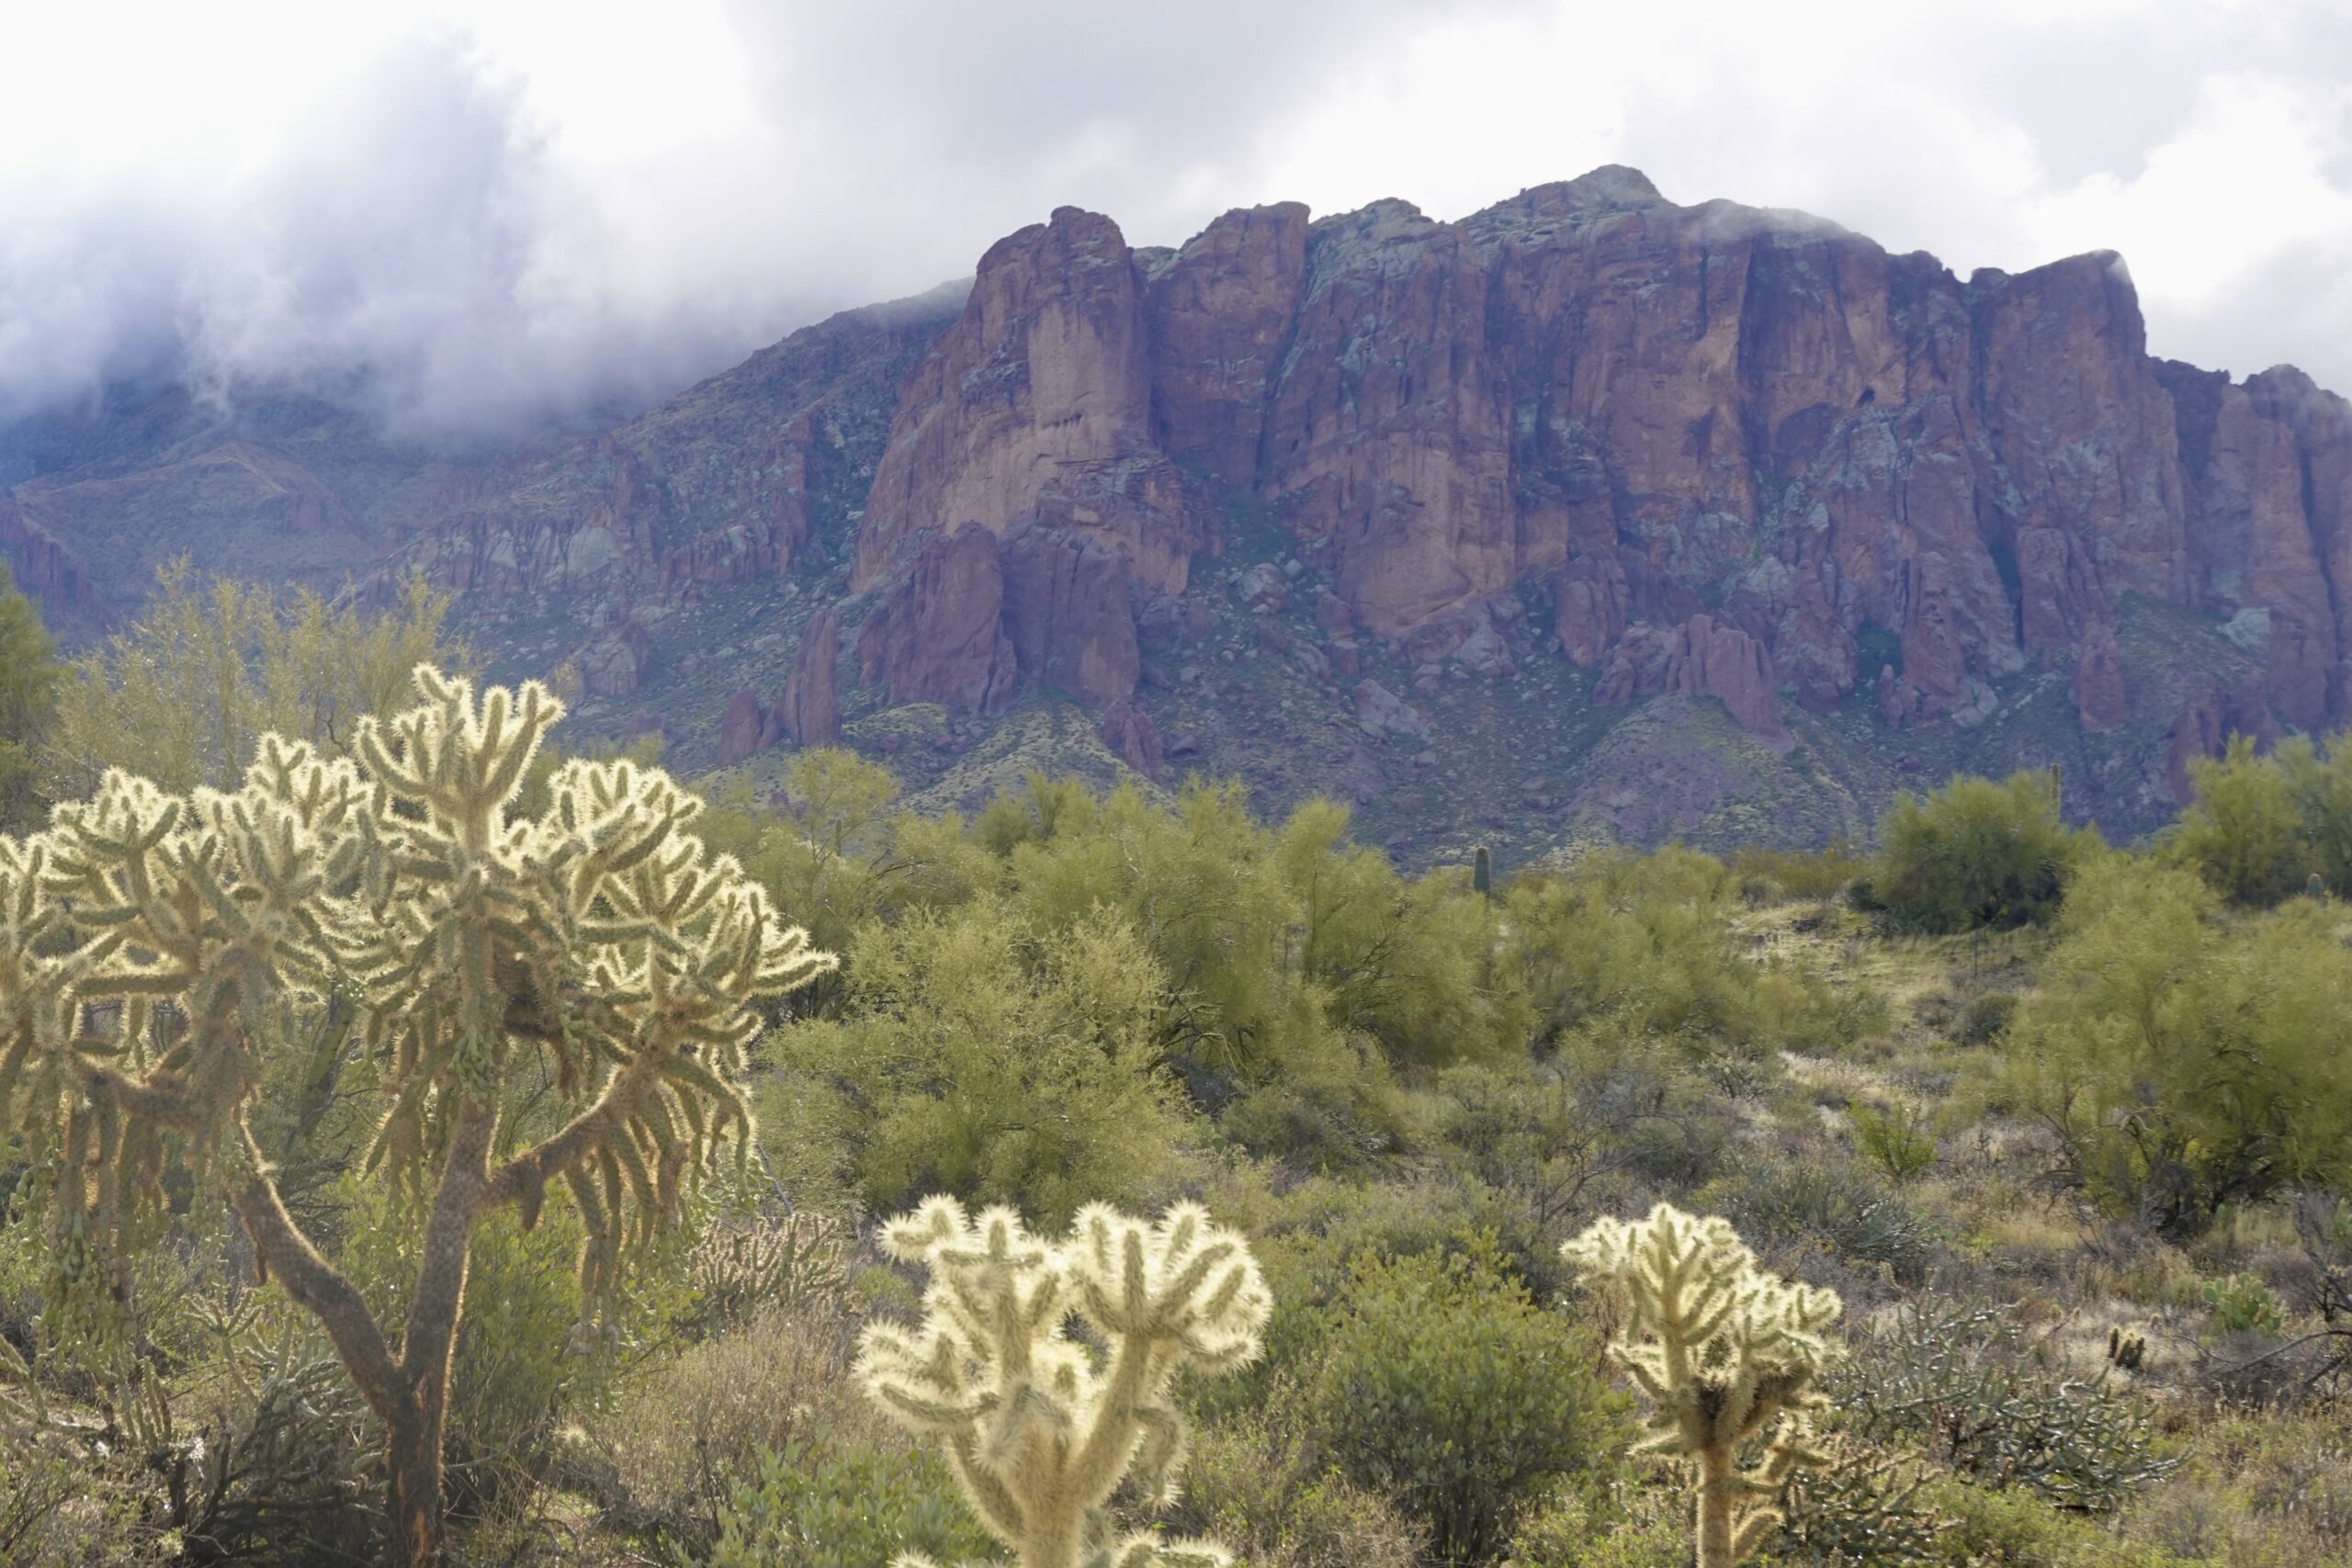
{"x":1038,"y":1431}
{"x":1726,"y":1353}
{"x":158,"y":952}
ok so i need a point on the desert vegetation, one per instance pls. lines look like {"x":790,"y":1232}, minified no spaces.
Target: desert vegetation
{"x":420,"y":1144}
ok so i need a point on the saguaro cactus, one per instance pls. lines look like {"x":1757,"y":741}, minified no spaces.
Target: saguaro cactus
{"x":1037,"y":1430}
{"x":1723,"y":1351}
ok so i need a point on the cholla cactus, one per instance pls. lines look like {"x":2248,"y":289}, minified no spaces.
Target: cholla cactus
{"x":157,"y":950}
{"x":1036,"y":1430}
{"x":1723,"y":1351}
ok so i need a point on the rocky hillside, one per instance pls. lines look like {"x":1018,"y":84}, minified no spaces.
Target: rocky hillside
{"x":1589,"y":514}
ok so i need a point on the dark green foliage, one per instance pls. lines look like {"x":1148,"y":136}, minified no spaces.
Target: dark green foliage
{"x":856,"y":1505}
{"x":30,"y":674}
{"x":1837,"y":1208}
{"x":1962,"y":1386}
{"x":1443,"y":1385}
{"x":1986,"y":1018}
{"x":1977,"y":853}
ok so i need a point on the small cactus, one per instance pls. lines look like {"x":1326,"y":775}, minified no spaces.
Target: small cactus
{"x":1482,"y":872}
{"x":2126,"y":1352}
{"x":1039,"y":1430}
{"x":1723,"y":1351}
{"x":2314,"y":887}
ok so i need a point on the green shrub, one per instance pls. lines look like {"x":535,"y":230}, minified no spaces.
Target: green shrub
{"x":1254,"y":1482}
{"x":1987,"y":1018}
{"x":1962,"y":1386}
{"x":852,"y":1506}
{"x":1836,"y":1207}
{"x":1819,"y":873}
{"x":1623,"y":1527}
{"x":1857,"y":1512}
{"x":1442,"y":1384}
{"x":2186,"y":1058}
{"x":1897,"y":1141}
{"x":1977,"y":853}
{"x":2262,"y":829}
{"x":919,"y":1087}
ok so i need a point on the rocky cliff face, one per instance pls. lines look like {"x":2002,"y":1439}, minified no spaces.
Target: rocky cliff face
{"x":1730,"y":446}
{"x":1587,"y":443}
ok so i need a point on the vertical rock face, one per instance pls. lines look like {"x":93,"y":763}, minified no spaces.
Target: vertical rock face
{"x":810,"y":710}
{"x":1735,"y":446}
{"x":744,"y":729}
{"x":939,"y":635}
{"x":1220,"y":315}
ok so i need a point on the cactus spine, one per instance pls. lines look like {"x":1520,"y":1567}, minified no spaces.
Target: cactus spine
{"x":1037,"y":1430}
{"x":1723,"y":1351}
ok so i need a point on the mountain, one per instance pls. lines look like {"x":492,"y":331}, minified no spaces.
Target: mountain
{"x":1588,"y":515}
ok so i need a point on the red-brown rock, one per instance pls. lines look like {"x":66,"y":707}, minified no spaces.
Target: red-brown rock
{"x":1129,"y":731}
{"x":939,"y":634}
{"x":2099,"y":695}
{"x":1715,"y":659}
{"x":810,"y":711}
{"x":741,"y":729}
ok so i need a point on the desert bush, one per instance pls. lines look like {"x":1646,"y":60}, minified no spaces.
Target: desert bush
{"x":1896,"y":1139}
{"x":1800,"y":873}
{"x":2260,"y":829}
{"x":686,"y":1436}
{"x":1975,"y":854}
{"x":2185,"y":1059}
{"x":1440,"y":1382}
{"x":1962,"y":1386}
{"x":30,"y":674}
{"x":1836,"y":1207}
{"x":1255,"y":1482}
{"x":1986,"y":1018}
{"x":1614,"y":1527}
{"x":817,"y":1504}
{"x":914,"y":1089}
{"x":1857,"y":1511}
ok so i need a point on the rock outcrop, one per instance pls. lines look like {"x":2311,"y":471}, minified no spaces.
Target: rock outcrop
{"x":1657,"y":414}
{"x":810,"y":709}
{"x":939,"y":634}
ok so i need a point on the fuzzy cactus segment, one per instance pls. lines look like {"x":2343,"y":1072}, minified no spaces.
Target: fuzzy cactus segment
{"x":1038,"y":1429}
{"x":1725,"y":1352}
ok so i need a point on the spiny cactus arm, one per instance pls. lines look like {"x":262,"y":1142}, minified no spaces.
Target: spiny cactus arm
{"x":284,"y":1253}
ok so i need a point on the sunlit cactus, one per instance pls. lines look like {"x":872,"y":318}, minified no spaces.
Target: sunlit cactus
{"x":1725,"y":1352}
{"x":157,"y":951}
{"x":1039,"y":1430}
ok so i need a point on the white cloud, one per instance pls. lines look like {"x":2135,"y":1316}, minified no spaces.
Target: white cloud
{"x":496,"y":209}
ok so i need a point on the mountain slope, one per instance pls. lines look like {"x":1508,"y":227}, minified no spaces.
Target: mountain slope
{"x":1589,"y":514}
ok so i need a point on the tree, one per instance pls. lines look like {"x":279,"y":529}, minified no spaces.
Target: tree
{"x":563,"y":996}
{"x":1038,"y":1431}
{"x":1977,"y":853}
{"x":2184,"y":1056}
{"x":28,"y":679}
{"x":183,"y":697}
{"x":2260,"y":829}
{"x":1726,"y":1353}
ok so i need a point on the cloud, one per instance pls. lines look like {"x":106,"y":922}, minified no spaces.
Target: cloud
{"x":464,"y":220}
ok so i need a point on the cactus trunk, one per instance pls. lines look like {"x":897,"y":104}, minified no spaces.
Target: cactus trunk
{"x":1718,"y":1488}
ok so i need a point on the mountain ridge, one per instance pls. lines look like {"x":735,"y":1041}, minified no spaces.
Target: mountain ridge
{"x":1583,"y":452}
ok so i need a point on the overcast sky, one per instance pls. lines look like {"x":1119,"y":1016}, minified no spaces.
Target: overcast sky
{"x":503,"y":208}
